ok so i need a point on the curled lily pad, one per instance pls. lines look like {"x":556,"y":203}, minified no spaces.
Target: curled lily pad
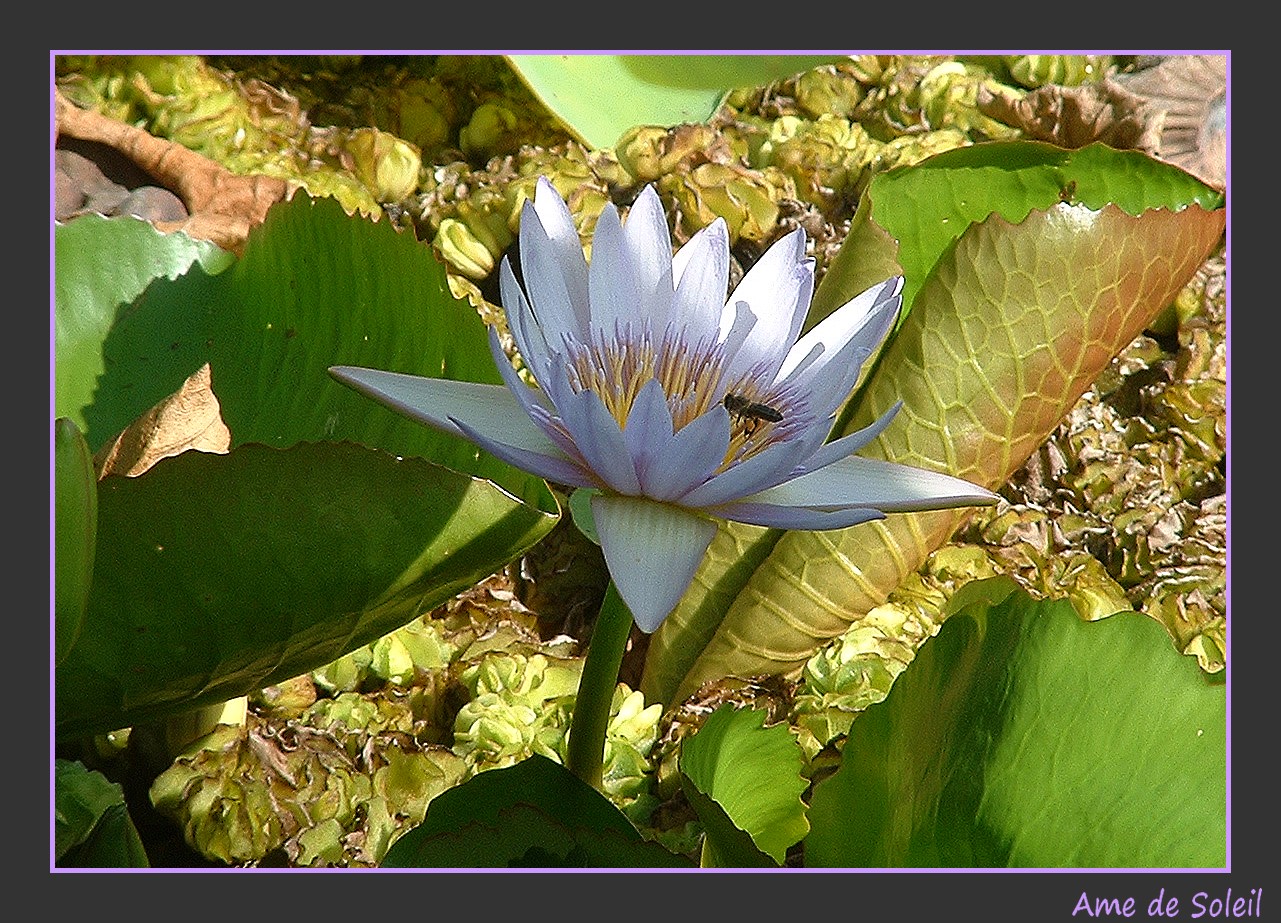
{"x":1012,"y":317}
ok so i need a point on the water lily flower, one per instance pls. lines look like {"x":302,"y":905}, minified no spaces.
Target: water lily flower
{"x":679,"y":406}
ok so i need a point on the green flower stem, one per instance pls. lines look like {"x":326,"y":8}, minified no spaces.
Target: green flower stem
{"x":586,"y":753}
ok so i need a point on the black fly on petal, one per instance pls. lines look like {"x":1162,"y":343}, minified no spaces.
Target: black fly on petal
{"x":750,"y":412}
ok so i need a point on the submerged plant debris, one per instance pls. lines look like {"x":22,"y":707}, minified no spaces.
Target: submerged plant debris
{"x":1123,"y":507}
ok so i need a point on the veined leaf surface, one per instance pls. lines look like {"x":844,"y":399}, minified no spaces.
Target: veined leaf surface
{"x":1011,"y":325}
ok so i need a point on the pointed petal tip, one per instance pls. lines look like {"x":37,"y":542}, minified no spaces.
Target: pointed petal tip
{"x":649,"y":192}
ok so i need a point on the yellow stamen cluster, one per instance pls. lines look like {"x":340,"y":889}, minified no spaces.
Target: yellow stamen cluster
{"x":616,"y":368}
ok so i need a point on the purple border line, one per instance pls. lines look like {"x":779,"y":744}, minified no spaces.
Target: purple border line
{"x":53,"y":134}
{"x":53,"y":868}
{"x":1227,"y":346}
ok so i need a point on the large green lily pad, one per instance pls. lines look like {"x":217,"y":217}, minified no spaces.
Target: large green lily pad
{"x":216,"y":575}
{"x":1024,"y":736}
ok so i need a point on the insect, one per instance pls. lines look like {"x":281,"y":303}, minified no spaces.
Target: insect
{"x":750,"y":412}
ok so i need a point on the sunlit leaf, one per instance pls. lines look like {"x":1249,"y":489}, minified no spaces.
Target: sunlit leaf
{"x":598,"y":97}
{"x":216,"y":575}
{"x":314,"y":288}
{"x":1024,"y":736}
{"x":1010,"y":326}
{"x":745,"y":781}
{"x":101,"y":264}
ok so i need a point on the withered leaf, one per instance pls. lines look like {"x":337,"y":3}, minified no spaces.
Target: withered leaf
{"x":222,"y":205}
{"x":1073,"y":117}
{"x":189,"y":419}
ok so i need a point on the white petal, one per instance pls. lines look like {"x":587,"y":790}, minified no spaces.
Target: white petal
{"x":490,"y":409}
{"x":848,"y":445}
{"x":652,"y":551}
{"x":848,"y":336}
{"x":701,"y":271}
{"x":546,"y":283}
{"x":778,"y":289}
{"x":610,"y":273}
{"x":562,"y":235}
{"x":649,"y":248}
{"x":794,"y":517}
{"x":873,"y":483}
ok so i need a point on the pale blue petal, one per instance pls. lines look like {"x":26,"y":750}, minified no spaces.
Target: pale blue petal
{"x":794,"y":517}
{"x":848,"y":445}
{"x":552,"y":467}
{"x":737,"y":321}
{"x":530,"y":342}
{"x":564,"y":244}
{"x":770,"y":466}
{"x":806,"y":359}
{"x":848,"y":336}
{"x":545,"y":282}
{"x":701,"y":271}
{"x":652,"y":551}
{"x":594,"y":448}
{"x":649,"y":249}
{"x":527,"y":396}
{"x":602,"y":444}
{"x":570,"y":407}
{"x":558,"y":435}
{"x":648,"y":432}
{"x":691,"y":457}
{"x":855,"y":481}
{"x":559,"y":391}
{"x":569,"y":403}
{"x":492,"y":410}
{"x":610,"y":274}
{"x":778,"y":289}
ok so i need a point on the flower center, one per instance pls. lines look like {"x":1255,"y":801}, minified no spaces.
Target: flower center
{"x":616,"y":367}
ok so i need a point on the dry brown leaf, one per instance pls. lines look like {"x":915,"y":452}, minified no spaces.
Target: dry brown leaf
{"x":223,"y":206}
{"x":1073,"y":117}
{"x":1191,"y":91}
{"x":191,"y":418}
